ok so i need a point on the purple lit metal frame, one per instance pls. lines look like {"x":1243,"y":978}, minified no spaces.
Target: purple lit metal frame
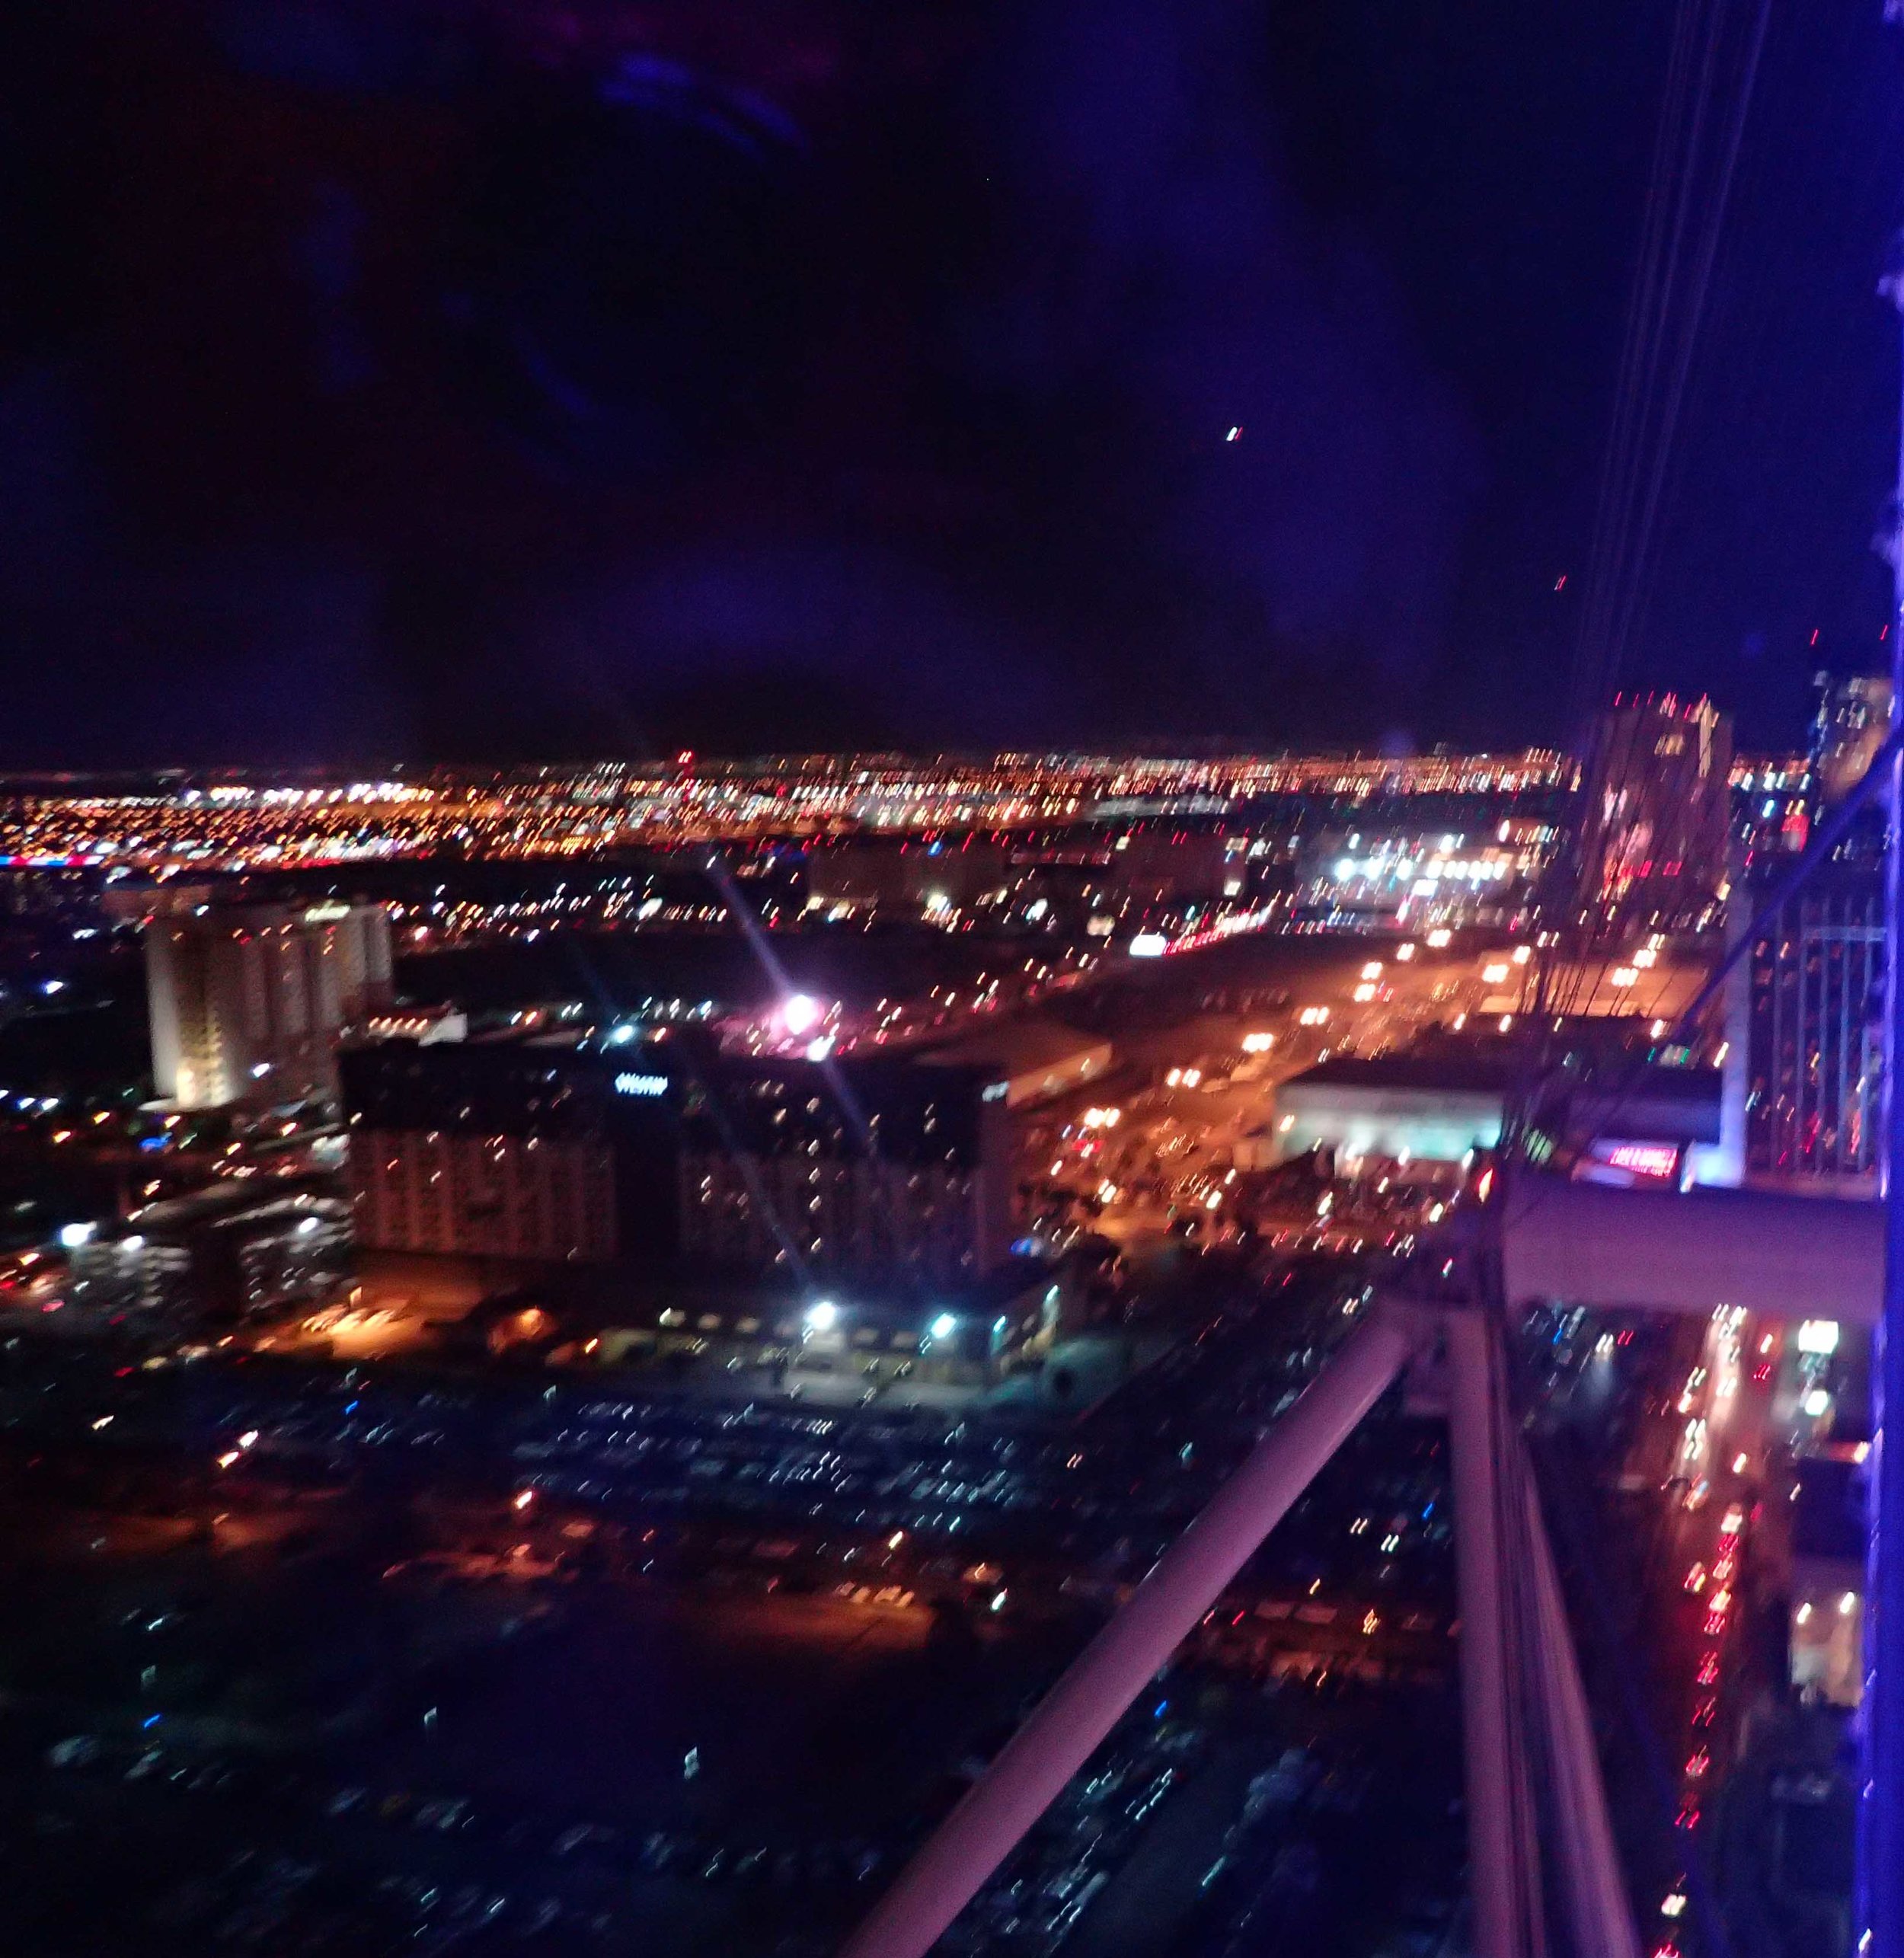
{"x":1502,"y":1658}
{"x":1879,"y":1901}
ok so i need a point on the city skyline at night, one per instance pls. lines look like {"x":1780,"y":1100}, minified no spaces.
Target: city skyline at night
{"x":950,"y":982}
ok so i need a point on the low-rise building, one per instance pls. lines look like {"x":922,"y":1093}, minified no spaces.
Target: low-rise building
{"x":1397,"y":1107}
{"x":225,"y":1254}
{"x":1445,"y":1108}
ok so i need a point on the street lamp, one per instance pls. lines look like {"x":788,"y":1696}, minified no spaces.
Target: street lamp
{"x":800,"y":1013}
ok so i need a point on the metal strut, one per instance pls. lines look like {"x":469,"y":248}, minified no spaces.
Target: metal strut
{"x":1529,"y":1744}
{"x":1533,"y":1771}
{"x":1879,"y":1901}
{"x":1076,"y":1715}
{"x":1503,"y":1846}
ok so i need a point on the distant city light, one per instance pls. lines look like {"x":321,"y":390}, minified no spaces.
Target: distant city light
{"x":944,"y":1326}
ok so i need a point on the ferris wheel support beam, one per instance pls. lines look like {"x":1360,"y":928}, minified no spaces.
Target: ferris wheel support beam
{"x":1068,"y":1724}
{"x":1880,"y":1899}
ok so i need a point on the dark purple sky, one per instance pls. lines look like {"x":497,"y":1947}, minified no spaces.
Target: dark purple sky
{"x":465,"y":378}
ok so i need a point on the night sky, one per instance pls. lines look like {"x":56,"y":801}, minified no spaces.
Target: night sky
{"x":387,"y":378}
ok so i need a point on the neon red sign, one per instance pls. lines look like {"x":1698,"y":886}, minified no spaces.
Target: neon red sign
{"x":1660,"y":1159}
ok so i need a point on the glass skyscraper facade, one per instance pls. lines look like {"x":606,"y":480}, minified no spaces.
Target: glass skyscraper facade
{"x":1814,"y":1058}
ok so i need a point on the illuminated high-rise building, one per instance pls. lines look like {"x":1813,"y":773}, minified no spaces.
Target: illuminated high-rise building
{"x":541,"y":1148}
{"x":659,"y":1149}
{"x":1814,"y":1054}
{"x":1655,"y":821}
{"x":246,"y":1002}
{"x":1854,"y":716}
